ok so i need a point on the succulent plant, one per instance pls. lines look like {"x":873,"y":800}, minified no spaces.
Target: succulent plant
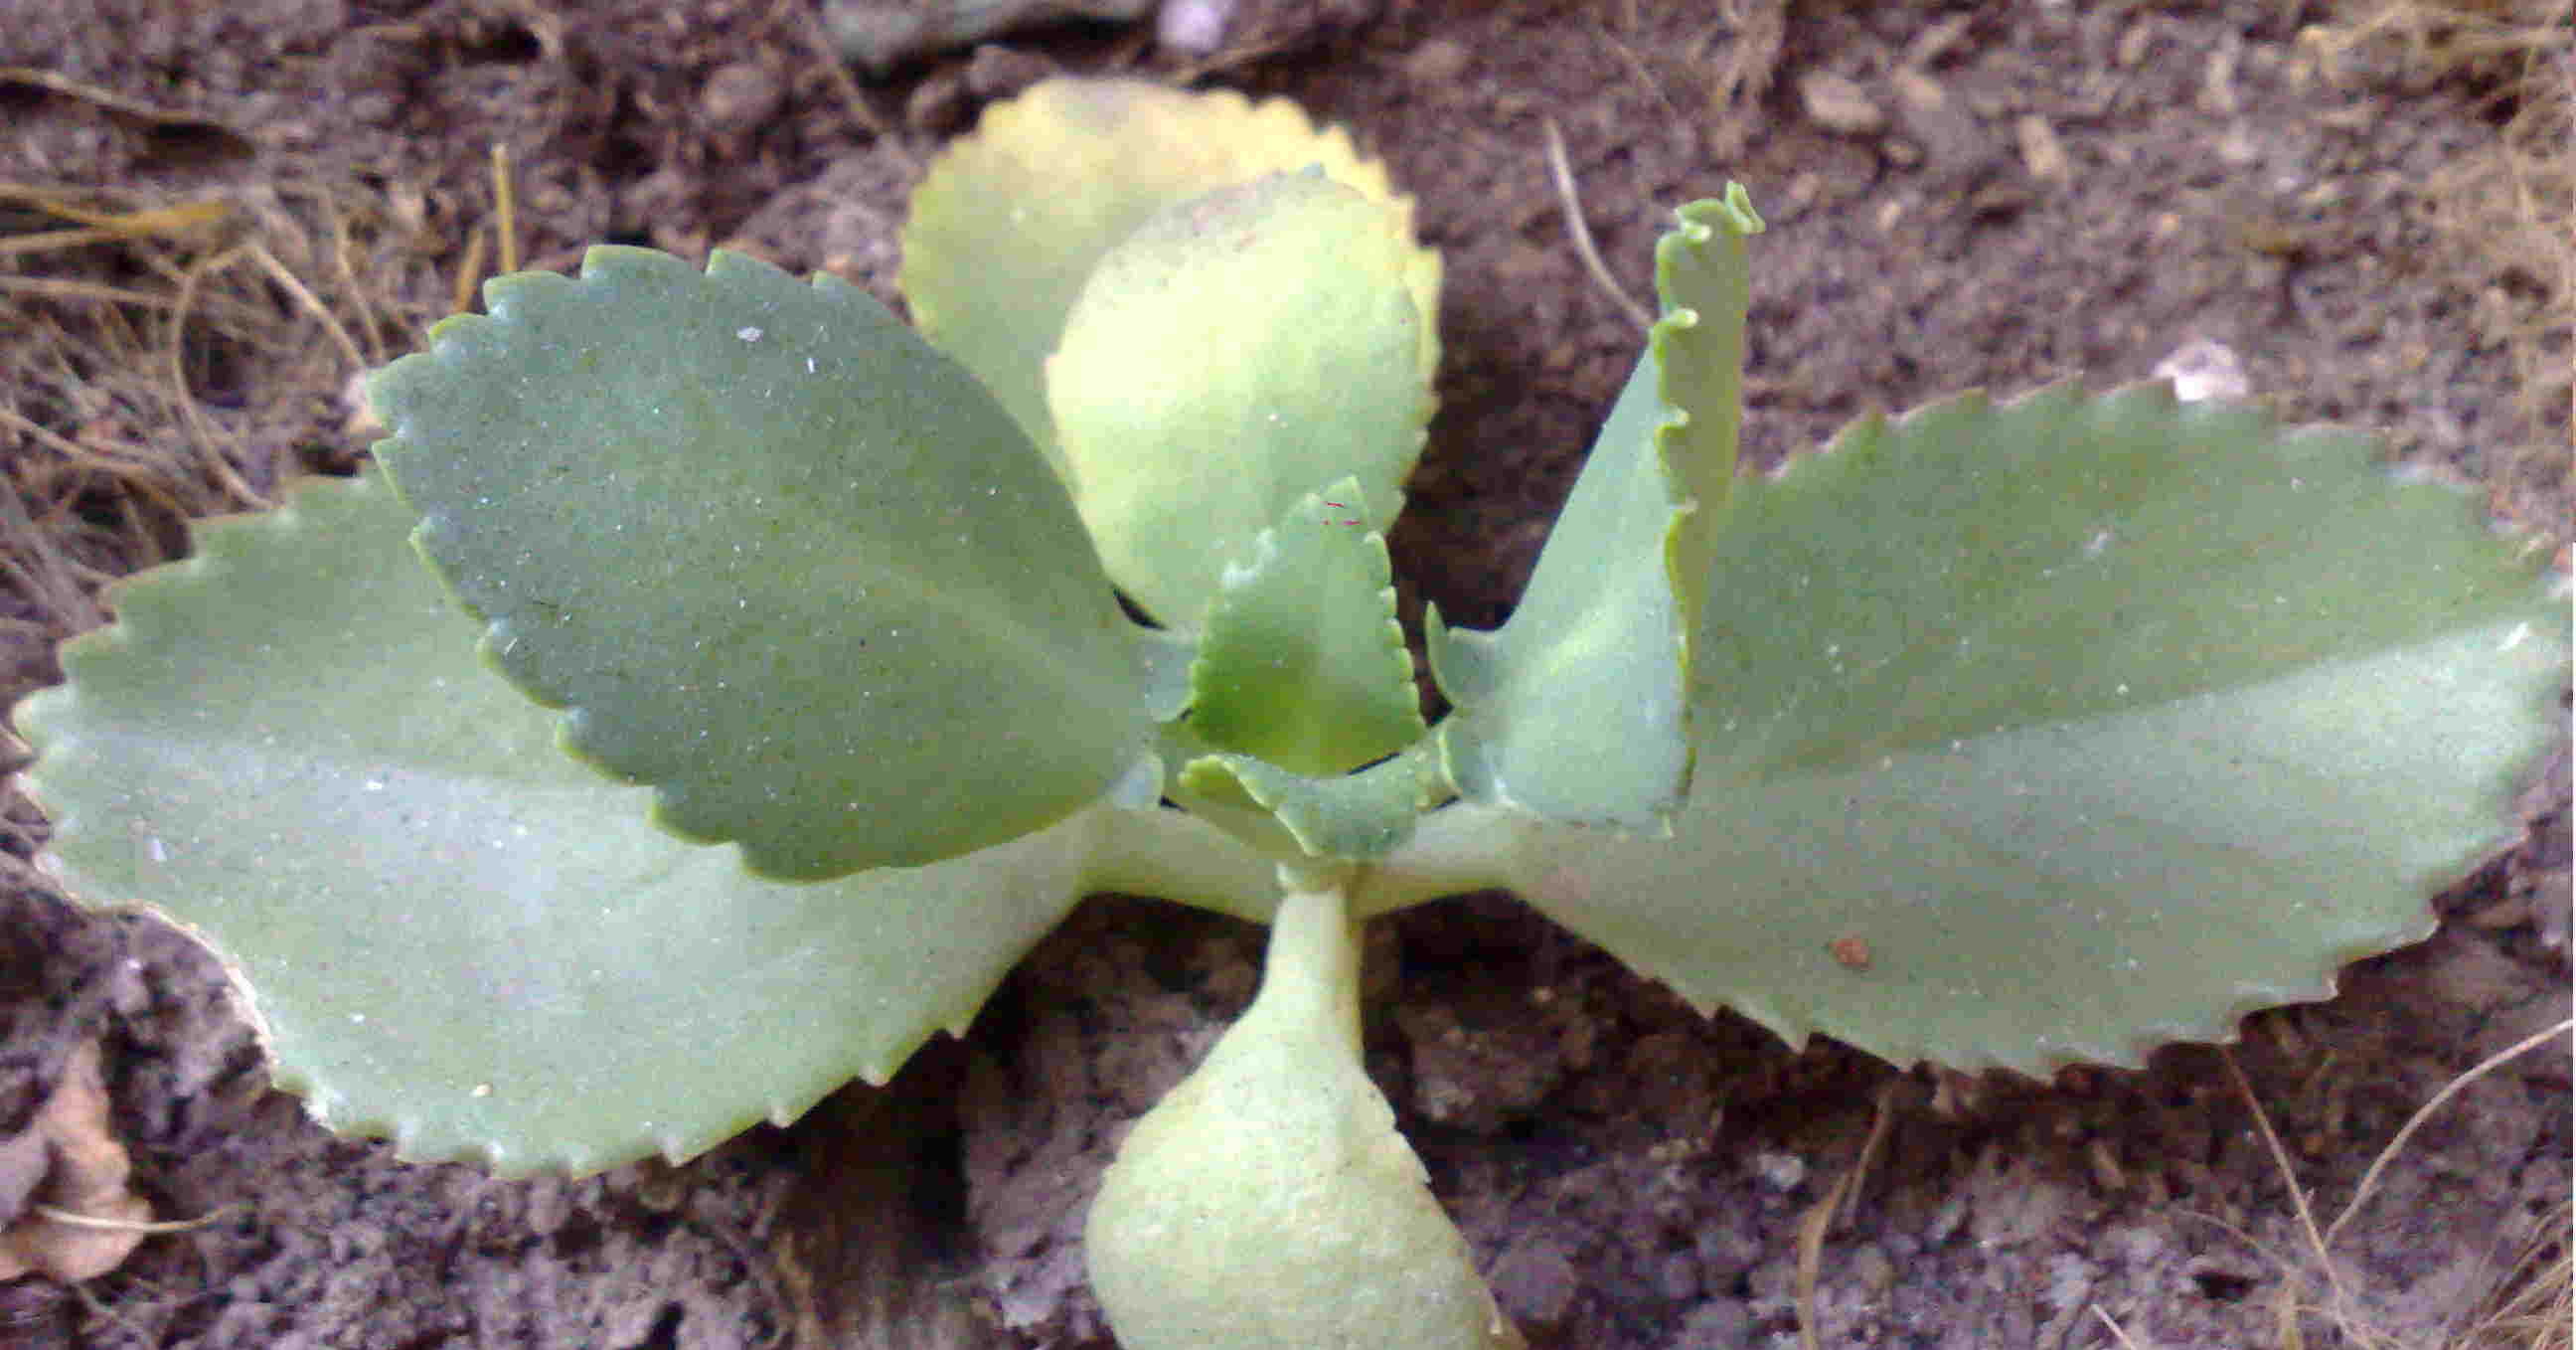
{"x":1995,"y":734}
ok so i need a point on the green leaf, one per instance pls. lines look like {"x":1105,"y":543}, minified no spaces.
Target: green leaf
{"x":782,"y":561}
{"x":1010,"y":221}
{"x":1574,"y":710}
{"x":1268,"y":1203}
{"x":453,"y":934}
{"x":1303,"y":663}
{"x":2075,"y":726}
{"x":1234,"y":351}
{"x":1166,"y":658}
{"x":1354,"y":817}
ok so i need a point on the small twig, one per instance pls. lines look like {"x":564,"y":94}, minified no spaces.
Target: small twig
{"x":1581,"y":233}
{"x":201,"y":431}
{"x":468,"y":272}
{"x":809,"y":26}
{"x":1811,"y":1255}
{"x":98,"y":94}
{"x":2116,"y":1333}
{"x":1644,"y":76}
{"x":100,"y":227}
{"x":1881,"y":1119}
{"x":47,"y":437}
{"x":2289,"y":1178}
{"x":108,"y":1312}
{"x":505,"y":207}
{"x":45,"y":580}
{"x":311,"y":303}
{"x":68,"y":1219}
{"x":59,"y":288}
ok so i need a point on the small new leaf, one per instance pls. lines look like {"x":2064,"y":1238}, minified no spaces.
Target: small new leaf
{"x":1236,"y":350}
{"x":1011,"y":221}
{"x":1303,"y":663}
{"x":2095,"y":721}
{"x":1574,"y":710}
{"x":1352,"y":817}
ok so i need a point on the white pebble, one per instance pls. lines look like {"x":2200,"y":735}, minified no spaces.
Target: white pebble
{"x":1193,"y":26}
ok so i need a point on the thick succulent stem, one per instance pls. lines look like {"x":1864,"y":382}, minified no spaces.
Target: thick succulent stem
{"x":1311,"y":974}
{"x":1268,"y":1203}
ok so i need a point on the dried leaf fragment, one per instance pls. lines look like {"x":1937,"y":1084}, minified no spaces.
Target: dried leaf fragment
{"x":85,"y":1177}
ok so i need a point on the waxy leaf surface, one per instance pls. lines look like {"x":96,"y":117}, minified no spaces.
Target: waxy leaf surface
{"x":1575,"y":710}
{"x":782,"y":561}
{"x":1353,"y":817}
{"x":1233,"y":352}
{"x":454,"y":934}
{"x":1303,"y":662}
{"x":2058,"y":730}
{"x":1009,"y":223}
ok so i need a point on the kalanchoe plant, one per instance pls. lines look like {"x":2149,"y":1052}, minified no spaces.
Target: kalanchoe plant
{"x":1998,"y":735}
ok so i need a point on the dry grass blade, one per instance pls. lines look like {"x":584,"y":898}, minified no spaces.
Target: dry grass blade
{"x":1882,"y":1119}
{"x":41,"y":574}
{"x":2536,"y":1306}
{"x":110,"y":1225}
{"x":310,"y":303}
{"x":2526,"y":1309}
{"x":505,"y":206}
{"x":1760,"y":32}
{"x":100,"y":227}
{"x":2443,"y":35}
{"x":2370,"y":1179}
{"x":1812,"y":1227}
{"x":91,"y":93}
{"x":2117,"y":1333}
{"x":1838,"y":1203}
{"x":201,"y":429}
{"x":2289,"y":1178}
{"x":2505,"y":209}
{"x":469,"y":273}
{"x":169,"y":359}
{"x":1581,"y":233}
{"x":808,"y":23}
{"x":59,"y":288}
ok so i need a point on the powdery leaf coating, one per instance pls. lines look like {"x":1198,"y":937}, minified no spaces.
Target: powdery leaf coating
{"x":450,"y":933}
{"x":1010,"y":222}
{"x":2094,"y":721}
{"x":777,"y":558}
{"x":1233,"y":353}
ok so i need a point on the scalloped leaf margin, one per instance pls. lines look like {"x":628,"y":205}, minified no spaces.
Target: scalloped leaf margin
{"x":1009,"y":223}
{"x":1575,"y":709}
{"x":453,"y":935}
{"x":2058,"y":731}
{"x":1231,"y":353}
{"x":778,"y":558}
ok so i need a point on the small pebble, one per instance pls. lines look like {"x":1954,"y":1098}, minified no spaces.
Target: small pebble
{"x":1840,"y":105}
{"x":2205,"y":370}
{"x":740,"y":97}
{"x":1193,"y":27}
{"x":1439,"y":61}
{"x":2040,"y":151}
{"x":1781,"y":1171}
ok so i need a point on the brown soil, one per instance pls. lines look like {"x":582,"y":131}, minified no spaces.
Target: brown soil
{"x":1958,"y":195}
